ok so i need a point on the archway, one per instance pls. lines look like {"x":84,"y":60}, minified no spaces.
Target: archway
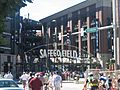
{"x":46,"y":57}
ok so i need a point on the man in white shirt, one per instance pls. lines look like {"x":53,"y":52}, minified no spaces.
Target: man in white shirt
{"x":50,"y":81}
{"x":56,"y":81}
{"x":24,"y":77}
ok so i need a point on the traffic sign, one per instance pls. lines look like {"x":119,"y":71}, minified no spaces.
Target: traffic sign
{"x":91,"y":30}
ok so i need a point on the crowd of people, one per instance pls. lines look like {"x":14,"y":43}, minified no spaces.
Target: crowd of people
{"x":8,"y":75}
{"x":103,"y":82}
{"x":53,"y":80}
{"x":41,"y":81}
{"x":44,"y":81}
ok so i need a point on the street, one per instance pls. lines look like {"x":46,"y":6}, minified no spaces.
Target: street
{"x":68,"y":85}
{"x":72,"y":86}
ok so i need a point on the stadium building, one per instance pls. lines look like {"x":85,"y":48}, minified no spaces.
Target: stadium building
{"x":76,"y":28}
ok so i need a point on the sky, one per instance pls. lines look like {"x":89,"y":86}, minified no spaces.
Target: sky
{"x":40,"y":9}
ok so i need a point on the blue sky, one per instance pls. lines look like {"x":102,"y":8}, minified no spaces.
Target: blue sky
{"x":42,"y":8}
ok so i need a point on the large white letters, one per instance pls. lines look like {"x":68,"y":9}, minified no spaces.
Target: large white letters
{"x":59,"y":53}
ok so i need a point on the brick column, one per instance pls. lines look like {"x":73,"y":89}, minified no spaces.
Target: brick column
{"x":79,"y":36}
{"x":101,"y":34}
{"x":88,"y":37}
{"x":62,"y":42}
{"x":69,"y":21}
{"x":69,"y":24}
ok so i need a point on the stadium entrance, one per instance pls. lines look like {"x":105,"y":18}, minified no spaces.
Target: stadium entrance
{"x":46,"y":57}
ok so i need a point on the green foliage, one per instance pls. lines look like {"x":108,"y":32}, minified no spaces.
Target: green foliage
{"x":7,"y":8}
{"x":1,"y":24}
{"x":110,"y":61}
{"x":3,"y":41}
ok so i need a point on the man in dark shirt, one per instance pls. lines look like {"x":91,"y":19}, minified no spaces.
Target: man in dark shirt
{"x":36,"y":83}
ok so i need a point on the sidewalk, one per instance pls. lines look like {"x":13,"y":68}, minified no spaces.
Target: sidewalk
{"x":68,"y":81}
{"x":72,"y":85}
{"x":80,"y":81}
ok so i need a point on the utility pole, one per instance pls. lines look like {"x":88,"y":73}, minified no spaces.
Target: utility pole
{"x":47,"y":44}
{"x":46,"y":36}
{"x":115,"y":32}
{"x":55,"y":39}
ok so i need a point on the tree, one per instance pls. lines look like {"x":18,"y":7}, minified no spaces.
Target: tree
{"x":7,"y":7}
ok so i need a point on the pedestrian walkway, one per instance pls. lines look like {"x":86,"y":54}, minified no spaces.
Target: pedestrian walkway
{"x":69,"y":81}
{"x":67,"y":85}
{"x":80,"y":81}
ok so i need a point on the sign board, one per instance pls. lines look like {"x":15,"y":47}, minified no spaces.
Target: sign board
{"x":91,"y":30}
{"x":62,"y":53}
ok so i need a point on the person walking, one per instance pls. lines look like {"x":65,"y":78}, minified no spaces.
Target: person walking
{"x":103,"y":85}
{"x":91,"y":82}
{"x":29,"y":79}
{"x":36,"y":83}
{"x":24,"y":78}
{"x":46,"y":78}
{"x":118,"y":81}
{"x":5,"y":75}
{"x":50,"y":81}
{"x":41,"y":74}
{"x":109,"y":81}
{"x":56,"y":81}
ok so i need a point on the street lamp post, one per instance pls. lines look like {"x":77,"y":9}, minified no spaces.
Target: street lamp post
{"x":55,"y":43}
{"x":47,"y":42}
{"x":46,"y":35}
{"x":115,"y":32}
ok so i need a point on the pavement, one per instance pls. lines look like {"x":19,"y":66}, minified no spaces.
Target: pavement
{"x":72,"y":85}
